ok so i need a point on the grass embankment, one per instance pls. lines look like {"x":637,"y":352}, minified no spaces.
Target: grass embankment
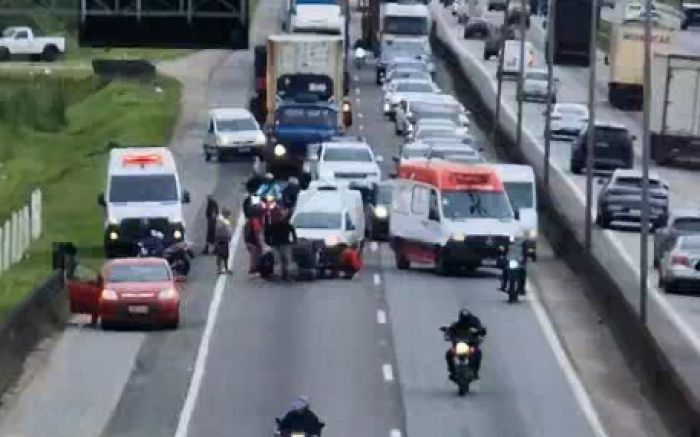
{"x":53,"y":133}
{"x":603,"y":39}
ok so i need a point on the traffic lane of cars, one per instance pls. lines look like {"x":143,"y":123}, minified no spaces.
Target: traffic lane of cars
{"x":274,"y":341}
{"x":522,"y":391}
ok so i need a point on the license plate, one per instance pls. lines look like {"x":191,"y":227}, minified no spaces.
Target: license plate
{"x":635,"y":212}
{"x":138,"y":309}
{"x":244,"y":149}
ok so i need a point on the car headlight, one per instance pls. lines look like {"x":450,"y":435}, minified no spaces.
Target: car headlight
{"x":381,"y":211}
{"x":457,"y":236}
{"x":387,"y":106}
{"x":108,"y":294}
{"x":279,"y":150}
{"x":113,"y":235}
{"x":461,"y":348}
{"x":532,"y":234}
{"x":409,"y":128}
{"x":513,"y":264}
{"x":346,"y":107}
{"x":220,"y":140}
{"x":331,"y":241}
{"x":260,"y":138}
{"x":168,"y":294}
{"x":177,"y":234}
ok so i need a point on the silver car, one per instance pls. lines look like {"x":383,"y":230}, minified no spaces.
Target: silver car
{"x":535,"y":86}
{"x":680,"y":266}
{"x":680,"y":222}
{"x":567,"y":120}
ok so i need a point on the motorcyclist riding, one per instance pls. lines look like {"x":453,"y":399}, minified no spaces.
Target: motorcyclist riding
{"x":469,"y":328}
{"x":300,"y":418}
{"x":269,"y":187}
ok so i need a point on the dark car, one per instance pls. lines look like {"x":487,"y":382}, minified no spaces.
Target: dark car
{"x":620,"y":200}
{"x":477,"y":28}
{"x":614,"y":149}
{"x":495,"y":38}
{"x":377,"y":212}
{"x":682,"y":222}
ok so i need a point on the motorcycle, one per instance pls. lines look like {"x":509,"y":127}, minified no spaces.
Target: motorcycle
{"x":295,"y":433}
{"x":177,"y":255}
{"x":267,"y":204}
{"x":514,"y":272}
{"x":464,"y":349}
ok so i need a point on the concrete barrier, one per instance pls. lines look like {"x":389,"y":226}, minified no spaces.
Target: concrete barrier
{"x":666,"y":353}
{"x":42,"y":312}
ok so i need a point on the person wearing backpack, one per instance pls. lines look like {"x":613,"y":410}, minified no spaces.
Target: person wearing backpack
{"x":252,"y":235}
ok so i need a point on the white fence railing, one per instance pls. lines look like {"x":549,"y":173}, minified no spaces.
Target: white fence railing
{"x":18,"y":231}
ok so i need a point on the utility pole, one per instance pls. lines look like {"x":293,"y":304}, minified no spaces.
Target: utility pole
{"x":590,"y":146}
{"x":499,"y":73}
{"x":646,"y":146}
{"x":521,"y":76}
{"x":551,"y":11}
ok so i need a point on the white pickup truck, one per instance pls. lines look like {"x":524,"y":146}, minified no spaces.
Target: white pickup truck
{"x":22,"y":41}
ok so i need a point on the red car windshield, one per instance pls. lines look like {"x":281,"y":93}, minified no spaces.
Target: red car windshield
{"x":150,"y":272}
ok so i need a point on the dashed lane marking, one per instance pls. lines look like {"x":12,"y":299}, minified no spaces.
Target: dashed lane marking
{"x":388,"y":372}
{"x":381,"y":317}
{"x":377,"y":279}
{"x":395,"y":433}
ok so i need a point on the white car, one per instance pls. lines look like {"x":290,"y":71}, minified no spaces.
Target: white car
{"x":403,"y":73}
{"x":330,"y":214}
{"x":405,"y":89}
{"x":678,"y":271}
{"x":348,"y":162}
{"x":535,"y":86}
{"x":23,"y":41}
{"x":232,"y":131}
{"x":567,"y":120}
{"x":635,"y":11}
{"x":438,"y":131}
{"x":453,"y":152}
{"x":446,"y":123}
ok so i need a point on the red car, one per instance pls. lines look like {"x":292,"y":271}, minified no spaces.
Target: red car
{"x":129,"y":291}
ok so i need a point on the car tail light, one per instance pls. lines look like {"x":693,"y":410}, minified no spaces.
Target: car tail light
{"x":680,"y":260}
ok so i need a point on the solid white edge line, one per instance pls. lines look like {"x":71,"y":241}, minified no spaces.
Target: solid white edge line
{"x":377,"y":279}
{"x":388,"y":372}
{"x":580,"y":393}
{"x":381,"y":317}
{"x":203,"y":351}
{"x":395,"y":433}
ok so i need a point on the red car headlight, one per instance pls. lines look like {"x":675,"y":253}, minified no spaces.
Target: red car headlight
{"x":168,"y":294}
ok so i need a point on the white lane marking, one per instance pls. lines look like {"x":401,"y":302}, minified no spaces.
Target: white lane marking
{"x":565,"y":364}
{"x":381,"y":317}
{"x":374,"y":246}
{"x":203,"y":352}
{"x":362,"y":127}
{"x":395,"y":433}
{"x":357,"y":91}
{"x":356,"y":78}
{"x":388,"y":372}
{"x":377,"y":279}
{"x":357,"y":100}
{"x":361,"y":115}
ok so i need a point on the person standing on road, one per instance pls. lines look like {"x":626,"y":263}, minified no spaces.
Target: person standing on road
{"x":290,"y":194}
{"x":223,"y":235}
{"x":281,"y":235}
{"x":252,"y":234}
{"x":211,"y":213}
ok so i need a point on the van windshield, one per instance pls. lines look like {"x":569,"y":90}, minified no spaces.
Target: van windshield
{"x":520,"y":194}
{"x":318,"y":220}
{"x":405,"y":25}
{"x":307,"y":116}
{"x":143,"y":188}
{"x":464,"y":204}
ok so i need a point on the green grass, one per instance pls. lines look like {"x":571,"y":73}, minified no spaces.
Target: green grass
{"x":67,"y":160}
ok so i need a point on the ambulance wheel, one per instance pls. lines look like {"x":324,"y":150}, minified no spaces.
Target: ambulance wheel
{"x":402,"y":263}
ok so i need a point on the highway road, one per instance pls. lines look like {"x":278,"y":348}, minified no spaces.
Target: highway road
{"x":367,"y":352}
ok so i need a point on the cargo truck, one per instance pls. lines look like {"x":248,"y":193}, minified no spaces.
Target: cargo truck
{"x":572,"y":24}
{"x":675,"y":111}
{"x":626,"y":60}
{"x":304,"y":97}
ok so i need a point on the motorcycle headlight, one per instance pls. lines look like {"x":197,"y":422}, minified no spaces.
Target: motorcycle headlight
{"x":457,"y":236}
{"x":296,"y":434}
{"x":168,"y":294}
{"x":113,"y":235}
{"x":177,"y":234}
{"x":331,"y":241}
{"x":532,"y":234}
{"x":279,"y":150}
{"x":461,"y":348}
{"x":108,"y":294}
{"x":387,"y":106}
{"x":270,"y":198}
{"x":513,"y":264}
{"x":512,"y":239}
{"x":381,"y":211}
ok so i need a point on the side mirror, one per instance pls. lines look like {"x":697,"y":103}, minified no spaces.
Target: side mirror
{"x":185,"y":196}
{"x":101,"y":199}
{"x":379,"y":158}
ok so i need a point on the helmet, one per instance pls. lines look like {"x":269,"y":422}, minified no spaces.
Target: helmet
{"x":300,"y":403}
{"x":269,"y":177}
{"x":464,"y":313}
{"x":293,"y":180}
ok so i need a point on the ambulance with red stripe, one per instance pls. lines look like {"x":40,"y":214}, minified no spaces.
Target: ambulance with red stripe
{"x":143,"y":194}
{"x":454,"y":216}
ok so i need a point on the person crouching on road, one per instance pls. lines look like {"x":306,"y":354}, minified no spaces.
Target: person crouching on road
{"x":223,"y":235}
{"x":281,"y":235}
{"x":252,"y":234}
{"x":211,"y":213}
{"x":349,"y":262}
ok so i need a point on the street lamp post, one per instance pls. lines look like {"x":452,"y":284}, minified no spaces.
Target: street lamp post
{"x":521,"y":75}
{"x":551,"y":11}
{"x":590,"y":146}
{"x":499,"y":72}
{"x":646,"y":145}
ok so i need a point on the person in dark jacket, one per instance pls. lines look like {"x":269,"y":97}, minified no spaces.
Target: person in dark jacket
{"x":301,"y":418}
{"x":281,"y":235}
{"x":467,"y":328}
{"x":223,"y":235}
{"x":290,"y":194}
{"x":211,"y":213}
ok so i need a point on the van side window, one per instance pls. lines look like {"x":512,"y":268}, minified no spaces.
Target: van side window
{"x":419,"y":202}
{"x":349,"y":225}
{"x":433,"y":207}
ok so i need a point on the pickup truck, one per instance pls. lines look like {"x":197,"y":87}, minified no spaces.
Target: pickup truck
{"x":22,"y":41}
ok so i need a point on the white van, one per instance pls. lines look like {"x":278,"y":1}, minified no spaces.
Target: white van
{"x":332,"y":214}
{"x":454,"y":216}
{"x":143,"y":193}
{"x":411,"y":19}
{"x":519,"y":182}
{"x":511,"y":57}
